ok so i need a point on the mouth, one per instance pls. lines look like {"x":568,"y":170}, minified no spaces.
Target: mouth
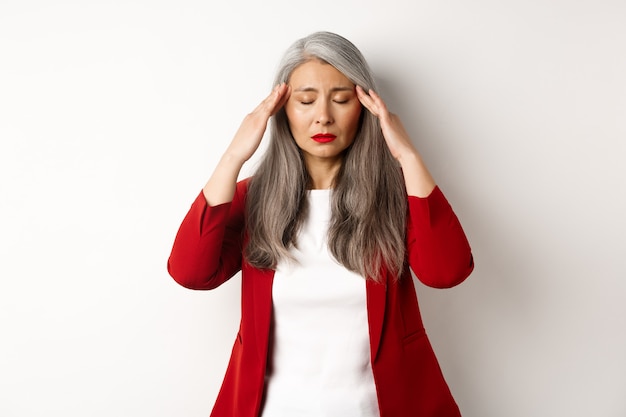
{"x":324,"y":137}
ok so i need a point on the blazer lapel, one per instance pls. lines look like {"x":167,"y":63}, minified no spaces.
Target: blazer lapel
{"x":263,"y":313}
{"x":376,"y":299}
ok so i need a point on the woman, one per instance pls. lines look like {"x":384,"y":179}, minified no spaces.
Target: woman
{"x":324,"y":234}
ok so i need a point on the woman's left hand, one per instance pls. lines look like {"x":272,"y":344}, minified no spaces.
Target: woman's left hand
{"x":397,"y":138}
{"x":417,"y":178}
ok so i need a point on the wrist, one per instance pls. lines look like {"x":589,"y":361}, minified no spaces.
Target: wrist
{"x":409,"y":157}
{"x":232,"y":160}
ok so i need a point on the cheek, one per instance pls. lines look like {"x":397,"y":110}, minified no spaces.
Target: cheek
{"x":295,"y":118}
{"x":353,"y":116}
{"x":288,"y":112}
{"x":291,"y":120}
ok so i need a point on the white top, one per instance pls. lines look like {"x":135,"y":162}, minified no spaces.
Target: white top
{"x":319,"y":363}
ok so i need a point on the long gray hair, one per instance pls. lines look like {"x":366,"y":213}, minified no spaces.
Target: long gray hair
{"x":367,"y":229}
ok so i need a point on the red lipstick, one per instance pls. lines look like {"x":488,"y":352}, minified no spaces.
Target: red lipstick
{"x":324,"y":137}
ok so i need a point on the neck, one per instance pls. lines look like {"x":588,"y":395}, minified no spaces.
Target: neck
{"x":323,"y":173}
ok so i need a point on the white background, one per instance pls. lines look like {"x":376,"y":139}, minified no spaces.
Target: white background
{"x":113,"y":113}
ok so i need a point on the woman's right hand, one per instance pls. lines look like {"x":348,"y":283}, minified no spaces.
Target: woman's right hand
{"x":221,"y":186}
{"x":251,"y":130}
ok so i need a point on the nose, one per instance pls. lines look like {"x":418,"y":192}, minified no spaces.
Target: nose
{"x":324,"y":114}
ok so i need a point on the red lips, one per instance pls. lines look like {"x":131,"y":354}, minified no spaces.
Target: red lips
{"x":324,"y":137}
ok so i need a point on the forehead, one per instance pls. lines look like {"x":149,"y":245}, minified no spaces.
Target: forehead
{"x":316,"y":75}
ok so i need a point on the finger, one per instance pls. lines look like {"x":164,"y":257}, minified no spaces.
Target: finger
{"x":269,"y":105}
{"x":279,"y":97}
{"x":380,"y":103}
{"x":362,"y":95}
{"x":381,"y":108}
{"x":284,"y":94}
{"x":267,"y":102}
{"x":366,"y":100}
{"x":373,"y":102}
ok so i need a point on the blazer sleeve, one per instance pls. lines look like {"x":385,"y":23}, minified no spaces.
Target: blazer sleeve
{"x":437,"y":248}
{"x":208,"y":247}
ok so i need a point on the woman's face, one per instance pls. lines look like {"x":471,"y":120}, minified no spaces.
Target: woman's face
{"x":323,"y":112}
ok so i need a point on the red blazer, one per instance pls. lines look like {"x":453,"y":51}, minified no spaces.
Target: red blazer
{"x":208,"y":251}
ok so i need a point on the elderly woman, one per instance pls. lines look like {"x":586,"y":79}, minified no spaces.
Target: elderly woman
{"x":324,"y":234}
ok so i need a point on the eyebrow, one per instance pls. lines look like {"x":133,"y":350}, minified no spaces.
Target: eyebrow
{"x":315,"y":90}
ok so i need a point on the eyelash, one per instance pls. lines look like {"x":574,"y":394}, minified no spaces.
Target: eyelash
{"x":306,"y":103}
